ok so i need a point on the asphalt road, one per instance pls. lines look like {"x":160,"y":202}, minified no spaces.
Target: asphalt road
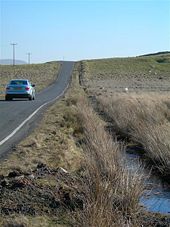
{"x":15,"y":116}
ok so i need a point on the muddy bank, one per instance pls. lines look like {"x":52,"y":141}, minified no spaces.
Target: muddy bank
{"x":51,"y":192}
{"x":32,"y":194}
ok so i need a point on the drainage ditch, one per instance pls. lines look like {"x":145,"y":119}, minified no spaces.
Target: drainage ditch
{"x":156,"y":197}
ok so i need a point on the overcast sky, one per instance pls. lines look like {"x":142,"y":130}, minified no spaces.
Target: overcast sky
{"x":83,"y":29}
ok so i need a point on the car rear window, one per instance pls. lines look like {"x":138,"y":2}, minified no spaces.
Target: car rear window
{"x":18,"y":82}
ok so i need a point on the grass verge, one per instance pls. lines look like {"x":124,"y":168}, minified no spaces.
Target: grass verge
{"x":51,"y":144}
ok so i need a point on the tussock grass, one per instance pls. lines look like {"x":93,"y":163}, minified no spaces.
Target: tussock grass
{"x":110,"y":192}
{"x":144,"y":118}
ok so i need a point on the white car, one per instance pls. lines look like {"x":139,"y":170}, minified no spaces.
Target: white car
{"x":20,"y":89}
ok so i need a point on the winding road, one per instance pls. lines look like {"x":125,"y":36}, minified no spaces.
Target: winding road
{"x":18,"y":117}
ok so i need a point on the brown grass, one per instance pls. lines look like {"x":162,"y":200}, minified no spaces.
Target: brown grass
{"x":52,"y":142}
{"x":110,"y":192}
{"x":27,"y":221}
{"x":144,"y":118}
{"x":41,"y":75}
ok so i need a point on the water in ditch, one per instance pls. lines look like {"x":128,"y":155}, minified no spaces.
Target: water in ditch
{"x":156,"y":197}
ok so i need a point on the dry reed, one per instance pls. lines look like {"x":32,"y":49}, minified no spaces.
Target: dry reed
{"x":145,"y":119}
{"x":110,"y":192}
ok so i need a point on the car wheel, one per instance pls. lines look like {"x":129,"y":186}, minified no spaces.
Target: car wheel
{"x":7,"y":98}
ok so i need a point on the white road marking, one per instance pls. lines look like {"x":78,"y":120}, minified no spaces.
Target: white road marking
{"x":28,"y":118}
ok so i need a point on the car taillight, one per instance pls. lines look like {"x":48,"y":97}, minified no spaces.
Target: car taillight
{"x":27,"y":88}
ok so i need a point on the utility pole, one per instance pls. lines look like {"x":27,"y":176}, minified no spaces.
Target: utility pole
{"x":29,"y":56}
{"x":13,"y":44}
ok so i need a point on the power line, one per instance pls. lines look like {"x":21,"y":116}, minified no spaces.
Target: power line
{"x":13,"y":44}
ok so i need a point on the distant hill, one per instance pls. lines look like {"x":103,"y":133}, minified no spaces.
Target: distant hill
{"x":10,"y":62}
{"x":155,"y":54}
